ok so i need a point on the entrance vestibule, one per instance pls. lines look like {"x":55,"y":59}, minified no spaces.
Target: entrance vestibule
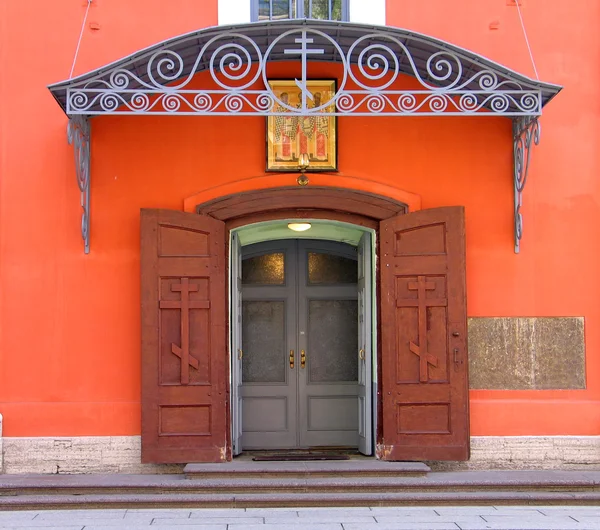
{"x":302,"y":326}
{"x":192,"y":332}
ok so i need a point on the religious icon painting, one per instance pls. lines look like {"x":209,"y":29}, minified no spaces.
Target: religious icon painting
{"x":302,"y":123}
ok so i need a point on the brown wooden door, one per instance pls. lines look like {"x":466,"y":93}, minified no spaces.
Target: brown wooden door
{"x":424,"y":336}
{"x":184,"y":359}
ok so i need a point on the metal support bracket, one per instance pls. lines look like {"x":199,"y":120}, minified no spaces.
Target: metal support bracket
{"x":526,"y":129}
{"x":78,"y":135}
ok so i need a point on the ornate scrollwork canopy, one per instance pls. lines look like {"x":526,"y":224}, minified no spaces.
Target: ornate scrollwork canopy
{"x":158,"y":80}
{"x":447,"y":80}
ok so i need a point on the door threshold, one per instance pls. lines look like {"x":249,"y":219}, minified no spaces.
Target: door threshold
{"x":304,"y":455}
{"x":357,"y":465}
{"x":301,"y":455}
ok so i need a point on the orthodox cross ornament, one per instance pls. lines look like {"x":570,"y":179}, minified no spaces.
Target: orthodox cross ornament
{"x":304,"y":52}
{"x":233,"y":63}
{"x":185,"y":304}
{"x":425,"y":358}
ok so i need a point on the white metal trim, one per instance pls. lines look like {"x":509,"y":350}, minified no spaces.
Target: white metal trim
{"x":373,"y":65}
{"x":368,"y":12}
{"x":234,"y":12}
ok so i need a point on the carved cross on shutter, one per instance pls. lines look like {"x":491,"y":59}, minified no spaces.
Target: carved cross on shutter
{"x":425,"y":358}
{"x":423,"y":308}
{"x":184,"y":321}
{"x":185,"y":304}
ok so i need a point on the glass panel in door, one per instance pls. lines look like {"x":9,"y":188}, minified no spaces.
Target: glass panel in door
{"x":333,"y":340}
{"x":263,"y":332}
{"x":266,"y":269}
{"x":329,"y":268}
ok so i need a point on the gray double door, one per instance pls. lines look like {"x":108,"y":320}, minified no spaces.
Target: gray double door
{"x":300,"y":361}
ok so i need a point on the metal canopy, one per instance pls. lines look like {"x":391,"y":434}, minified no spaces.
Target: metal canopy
{"x":158,"y":80}
{"x":447,"y":81}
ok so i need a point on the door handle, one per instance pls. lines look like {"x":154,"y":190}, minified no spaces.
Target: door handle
{"x":361,"y":354}
{"x":302,"y":358}
{"x":456,"y":359}
{"x":240,"y":354}
{"x":292,"y":359}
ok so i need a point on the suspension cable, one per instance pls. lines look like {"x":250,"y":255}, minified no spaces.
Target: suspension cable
{"x":87,"y":9}
{"x":518,"y":4}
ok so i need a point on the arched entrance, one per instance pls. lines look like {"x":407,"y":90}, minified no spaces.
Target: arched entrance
{"x":305,"y":408}
{"x":420,"y":351}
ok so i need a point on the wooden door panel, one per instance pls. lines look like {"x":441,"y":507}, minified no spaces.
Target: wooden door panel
{"x":184,"y":355}
{"x":423,"y":418}
{"x":176,"y":241}
{"x":420,"y":240}
{"x":411,"y":306}
{"x":418,"y":393}
{"x":197,"y":329}
{"x":423,"y":308}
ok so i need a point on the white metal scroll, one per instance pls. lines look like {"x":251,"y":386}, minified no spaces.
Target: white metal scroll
{"x":373,"y":63}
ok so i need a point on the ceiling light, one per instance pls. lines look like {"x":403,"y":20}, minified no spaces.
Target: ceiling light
{"x":299,"y":227}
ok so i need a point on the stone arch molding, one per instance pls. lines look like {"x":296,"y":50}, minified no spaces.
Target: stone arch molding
{"x":307,"y":199}
{"x":450,"y":81}
{"x":336,"y":186}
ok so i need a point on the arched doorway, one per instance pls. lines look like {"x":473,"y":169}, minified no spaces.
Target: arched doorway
{"x":421,"y":378}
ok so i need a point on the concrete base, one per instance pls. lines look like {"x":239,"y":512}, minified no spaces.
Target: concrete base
{"x":529,"y":452}
{"x":122,"y":454}
{"x":79,"y":454}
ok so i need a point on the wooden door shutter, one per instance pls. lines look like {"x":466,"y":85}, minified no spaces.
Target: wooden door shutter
{"x":424,"y":336}
{"x":184,"y":354}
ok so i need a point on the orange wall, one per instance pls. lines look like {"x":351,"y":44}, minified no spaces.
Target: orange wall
{"x":69,"y":340}
{"x":556,"y":272}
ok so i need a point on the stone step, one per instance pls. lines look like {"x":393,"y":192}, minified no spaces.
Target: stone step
{"x":239,"y":484}
{"x":353,"y":467}
{"x":235,"y":484}
{"x":299,"y":487}
{"x":279,"y":499}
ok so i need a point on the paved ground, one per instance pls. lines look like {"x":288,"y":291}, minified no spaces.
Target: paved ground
{"x":417,"y":518}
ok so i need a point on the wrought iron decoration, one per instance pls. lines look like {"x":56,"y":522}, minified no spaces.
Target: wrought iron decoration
{"x":449,"y":83}
{"x":78,"y":135}
{"x":238,"y":66}
{"x":526,"y":130}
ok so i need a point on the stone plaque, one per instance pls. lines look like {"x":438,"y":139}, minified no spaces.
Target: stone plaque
{"x":516,"y":353}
